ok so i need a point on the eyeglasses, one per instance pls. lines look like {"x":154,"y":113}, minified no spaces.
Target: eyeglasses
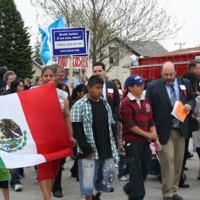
{"x":168,"y":74}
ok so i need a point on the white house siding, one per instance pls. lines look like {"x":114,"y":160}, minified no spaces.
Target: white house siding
{"x":121,"y":71}
{"x":37,"y":69}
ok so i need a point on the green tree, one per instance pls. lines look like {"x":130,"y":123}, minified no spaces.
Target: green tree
{"x":36,"y":56}
{"x":15,"y":49}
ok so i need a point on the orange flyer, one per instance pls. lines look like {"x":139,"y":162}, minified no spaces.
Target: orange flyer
{"x":180,"y":111}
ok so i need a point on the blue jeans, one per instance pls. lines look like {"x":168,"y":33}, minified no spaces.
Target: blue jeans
{"x":15,"y":178}
{"x":97,"y":174}
{"x":106,"y":175}
{"x":138,"y":157}
{"x":88,"y":170}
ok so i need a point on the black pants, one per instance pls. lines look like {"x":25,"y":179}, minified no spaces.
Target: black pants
{"x":57,"y":184}
{"x":74,"y":168}
{"x":186,"y":152}
{"x":138,"y":158}
{"x":198,"y":151}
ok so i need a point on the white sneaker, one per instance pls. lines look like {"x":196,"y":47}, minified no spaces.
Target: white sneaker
{"x":123,"y":178}
{"x":18,"y":188}
{"x":128,"y":176}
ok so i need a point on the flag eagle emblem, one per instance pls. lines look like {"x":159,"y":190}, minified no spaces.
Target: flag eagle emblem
{"x":12,"y":138}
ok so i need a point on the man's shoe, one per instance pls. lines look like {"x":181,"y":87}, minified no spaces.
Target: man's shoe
{"x":111,"y":189}
{"x":18,"y":188}
{"x":22,"y":175}
{"x":167,"y":198}
{"x":97,"y":196}
{"x":125,"y":190}
{"x":189,"y":155}
{"x":184,"y":185}
{"x":123,"y":178}
{"x":58,"y":194}
{"x":74,"y":175}
{"x":177,"y":197}
{"x":185,"y":168}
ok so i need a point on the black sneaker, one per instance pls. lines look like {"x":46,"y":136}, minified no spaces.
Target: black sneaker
{"x":125,"y":190}
{"x":58,"y":194}
{"x":111,"y":189}
{"x":189,"y":155}
{"x":97,"y":196}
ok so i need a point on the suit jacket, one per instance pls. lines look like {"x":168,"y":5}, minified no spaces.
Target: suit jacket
{"x":159,"y":99}
{"x":196,"y":134}
{"x":113,"y":98}
{"x":194,"y":80}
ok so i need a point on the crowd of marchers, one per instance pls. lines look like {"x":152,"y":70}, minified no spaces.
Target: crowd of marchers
{"x":110,"y":125}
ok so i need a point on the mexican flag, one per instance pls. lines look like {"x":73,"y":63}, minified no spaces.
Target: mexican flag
{"x":32,"y":128}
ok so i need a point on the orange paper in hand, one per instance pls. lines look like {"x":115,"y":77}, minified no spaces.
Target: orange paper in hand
{"x":180,"y":111}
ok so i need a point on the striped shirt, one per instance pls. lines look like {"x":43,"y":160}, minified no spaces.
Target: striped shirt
{"x":135,"y":112}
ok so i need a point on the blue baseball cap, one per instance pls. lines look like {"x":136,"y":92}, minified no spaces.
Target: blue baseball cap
{"x":134,"y":80}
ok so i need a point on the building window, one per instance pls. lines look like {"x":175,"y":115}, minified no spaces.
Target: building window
{"x":114,"y":55}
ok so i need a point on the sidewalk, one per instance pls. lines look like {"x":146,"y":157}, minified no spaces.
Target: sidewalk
{"x":31,"y":190}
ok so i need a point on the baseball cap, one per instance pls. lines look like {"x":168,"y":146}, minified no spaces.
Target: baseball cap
{"x":134,"y":80}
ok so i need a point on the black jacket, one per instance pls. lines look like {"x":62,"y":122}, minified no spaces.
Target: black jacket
{"x":158,"y":97}
{"x":113,"y":98}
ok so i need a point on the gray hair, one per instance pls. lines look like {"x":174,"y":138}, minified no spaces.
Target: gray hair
{"x":7,"y":74}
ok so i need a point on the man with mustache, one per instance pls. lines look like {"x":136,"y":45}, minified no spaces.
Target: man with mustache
{"x":162,"y":95}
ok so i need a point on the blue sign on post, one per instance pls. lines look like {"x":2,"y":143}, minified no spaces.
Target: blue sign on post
{"x":69,"y":41}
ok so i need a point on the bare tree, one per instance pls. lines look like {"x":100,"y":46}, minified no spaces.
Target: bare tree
{"x":130,"y":21}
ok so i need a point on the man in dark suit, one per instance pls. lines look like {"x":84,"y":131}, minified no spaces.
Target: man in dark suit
{"x":171,"y":132}
{"x":110,"y":91}
{"x":193,"y":74}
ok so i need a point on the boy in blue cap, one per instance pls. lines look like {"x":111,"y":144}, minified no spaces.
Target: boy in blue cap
{"x":138,"y":130}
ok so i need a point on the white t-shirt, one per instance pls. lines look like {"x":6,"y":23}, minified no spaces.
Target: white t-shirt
{"x":62,"y":96}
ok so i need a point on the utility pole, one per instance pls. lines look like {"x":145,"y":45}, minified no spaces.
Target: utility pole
{"x":180,"y":44}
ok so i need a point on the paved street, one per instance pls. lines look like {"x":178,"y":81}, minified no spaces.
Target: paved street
{"x":31,"y":189}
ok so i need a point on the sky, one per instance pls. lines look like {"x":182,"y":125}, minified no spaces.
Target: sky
{"x":186,"y":13}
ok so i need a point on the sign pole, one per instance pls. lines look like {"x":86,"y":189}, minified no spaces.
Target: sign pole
{"x":71,"y":86}
{"x":71,"y":42}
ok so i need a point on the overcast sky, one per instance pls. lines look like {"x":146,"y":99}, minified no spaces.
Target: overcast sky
{"x":186,"y":12}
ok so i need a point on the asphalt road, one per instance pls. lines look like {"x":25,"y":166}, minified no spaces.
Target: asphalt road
{"x":31,"y":190}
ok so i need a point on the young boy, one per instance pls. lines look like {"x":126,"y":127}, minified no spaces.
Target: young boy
{"x":92,"y":121}
{"x":138,"y":131}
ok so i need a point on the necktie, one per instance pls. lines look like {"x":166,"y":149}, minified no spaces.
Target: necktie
{"x":172,"y":95}
{"x":175,"y":122}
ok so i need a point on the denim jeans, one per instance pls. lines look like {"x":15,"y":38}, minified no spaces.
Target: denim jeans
{"x":15,"y":178}
{"x":106,"y":175}
{"x":138,"y":157}
{"x":88,"y":170}
{"x":97,"y":174}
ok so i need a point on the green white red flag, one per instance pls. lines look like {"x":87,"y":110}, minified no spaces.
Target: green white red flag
{"x":32,"y":128}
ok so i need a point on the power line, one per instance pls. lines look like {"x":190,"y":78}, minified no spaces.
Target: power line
{"x":180,"y":44}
